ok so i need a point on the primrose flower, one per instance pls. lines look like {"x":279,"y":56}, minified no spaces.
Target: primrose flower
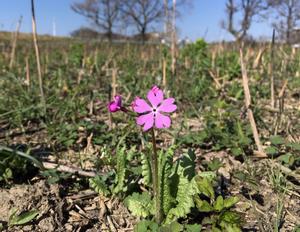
{"x":116,"y":104}
{"x":154,"y":115}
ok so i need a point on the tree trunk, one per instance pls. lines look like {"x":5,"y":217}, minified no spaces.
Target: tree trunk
{"x":143,"y":34}
{"x":289,"y":24}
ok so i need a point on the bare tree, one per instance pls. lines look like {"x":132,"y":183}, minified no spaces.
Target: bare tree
{"x":247,"y":9}
{"x":103,"y":13}
{"x":144,"y":14}
{"x":288,"y":13}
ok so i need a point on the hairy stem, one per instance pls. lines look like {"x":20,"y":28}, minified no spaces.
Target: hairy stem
{"x":158,"y":210}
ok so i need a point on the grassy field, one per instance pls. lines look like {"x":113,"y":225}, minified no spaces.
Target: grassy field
{"x":67,"y":162}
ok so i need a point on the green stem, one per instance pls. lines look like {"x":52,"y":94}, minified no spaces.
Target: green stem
{"x":158,"y":210}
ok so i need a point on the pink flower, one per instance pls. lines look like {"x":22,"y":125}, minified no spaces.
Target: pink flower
{"x":116,"y":104}
{"x":154,"y":115}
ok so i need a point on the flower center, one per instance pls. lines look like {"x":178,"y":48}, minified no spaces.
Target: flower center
{"x":154,"y":110}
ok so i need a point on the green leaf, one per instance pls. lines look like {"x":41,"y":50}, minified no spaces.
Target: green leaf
{"x":230,"y":201}
{"x":121,"y":170}
{"x":208,"y":174}
{"x":140,"y":205}
{"x":26,"y":155}
{"x":205,"y":186}
{"x":7,"y":174}
{"x":294,"y":146}
{"x":146,"y":226}
{"x":287,"y":158}
{"x":271,"y":150}
{"x":99,"y":186}
{"x":230,"y":217}
{"x":297,"y":228}
{"x":203,"y":205}
{"x":236,"y":151}
{"x":193,"y":228}
{"x":232,"y":228}
{"x":146,"y":169}
{"x":219,"y":203}
{"x":173,"y":227}
{"x":207,"y":221}
{"x":277,"y":140}
{"x":185,"y":194}
{"x":215,"y":229}
{"x":214,"y":164}
{"x":168,"y":183}
{"x":23,"y":218}
{"x":188,"y":163}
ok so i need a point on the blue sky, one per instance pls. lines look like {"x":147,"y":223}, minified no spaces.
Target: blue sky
{"x":202,"y":20}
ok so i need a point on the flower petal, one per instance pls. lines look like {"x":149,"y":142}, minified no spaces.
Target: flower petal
{"x":155,"y":96}
{"x":147,"y":120}
{"x":167,"y":105}
{"x":118,"y":100}
{"x":162,"y":121}
{"x":140,"y":106}
{"x":113,"y":107}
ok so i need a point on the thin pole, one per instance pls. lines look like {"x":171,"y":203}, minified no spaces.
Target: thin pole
{"x":271,"y":72}
{"x":245,"y":82}
{"x":173,"y":46}
{"x":14,"y":45}
{"x":37,"y":54}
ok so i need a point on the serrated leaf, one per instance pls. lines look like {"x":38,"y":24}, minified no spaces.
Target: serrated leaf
{"x":186,"y":191}
{"x":99,"y":186}
{"x":23,"y":218}
{"x":120,"y":170}
{"x":167,"y":184}
{"x":146,"y":169}
{"x":140,"y":205}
